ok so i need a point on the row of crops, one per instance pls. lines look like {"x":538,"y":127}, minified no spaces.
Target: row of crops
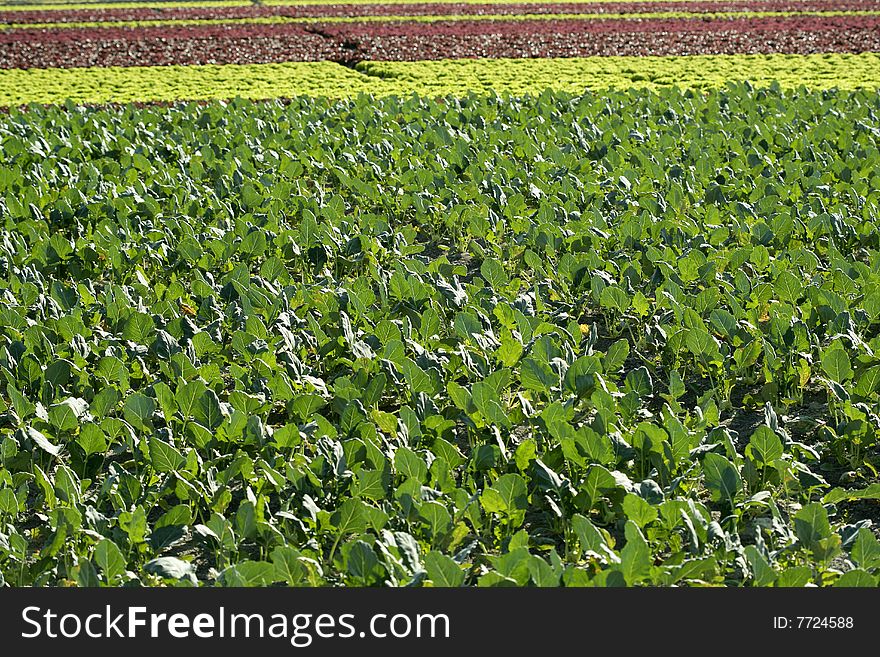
{"x":456,"y":77}
{"x":114,"y":38}
{"x":418,"y":294}
{"x":433,"y":36}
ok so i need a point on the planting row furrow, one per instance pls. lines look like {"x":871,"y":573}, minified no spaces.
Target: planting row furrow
{"x":347,"y":47}
{"x":421,"y":9}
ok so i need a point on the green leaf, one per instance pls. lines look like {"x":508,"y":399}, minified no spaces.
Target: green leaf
{"x":86,"y":577}
{"x":253,"y":245}
{"x":417,"y":379}
{"x":722,"y":478}
{"x":363,"y":564}
{"x":614,"y":298}
{"x":370,"y":484}
{"x":138,"y":410}
{"x":308,"y":230}
{"x":350,"y":517}
{"x":579,"y":377}
{"x":542,"y":573}
{"x":190,"y":250}
{"x":616,"y":356}
{"x":113,"y":371}
{"x":307,"y":405}
{"x":537,"y":376}
{"x":8,"y":502}
{"x":139,"y":328}
{"x":507,"y":495}
{"x":410,"y":464}
{"x":526,"y":452}
{"x":493,"y":273}
{"x":165,"y":397}
{"x":762,"y":571}
{"x":702,"y":345}
{"x":638,"y":510}
{"x":188,"y":395}
{"x":288,"y":567}
{"x":836,"y":364}
{"x":443,"y":571}
{"x":514,"y":564}
{"x":794,"y":577}
{"x":110,"y":559}
{"x":639,"y":382}
{"x":249,"y":574}
{"x":765,"y":446}
{"x":134,"y":523}
{"x":460,"y":397}
{"x":866,"y":549}
{"x":591,"y":539}
{"x":811,"y":526}
{"x":836,"y":495}
{"x":868,"y":382}
{"x":495,"y":579}
{"x":178,"y":516}
{"x":789,"y":287}
{"x":641,"y":304}
{"x":635,"y":557}
{"x":59,"y":372}
{"x":597,"y":482}
{"x":509,"y":352}
{"x":23,"y":407}
{"x":207,"y":410}
{"x":164,"y":457}
{"x":437,"y":517}
{"x":467,"y":325}
{"x":857,"y":578}
{"x":487,"y":402}
{"x":105,"y":402}
{"x":67,"y":485}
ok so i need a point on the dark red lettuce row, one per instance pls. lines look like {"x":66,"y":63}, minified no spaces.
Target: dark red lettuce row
{"x":390,"y":9}
{"x":348,"y":48}
{"x":88,"y":35}
{"x":725,"y":42}
{"x":84,"y":36}
{"x":592,"y":27}
{"x":161,"y":52}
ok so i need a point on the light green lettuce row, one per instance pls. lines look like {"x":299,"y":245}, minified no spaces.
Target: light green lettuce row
{"x":443,"y":77}
{"x":520,"y":76}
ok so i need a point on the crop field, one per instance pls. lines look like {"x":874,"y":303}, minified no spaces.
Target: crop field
{"x":164,"y":51}
{"x":471,"y":293}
